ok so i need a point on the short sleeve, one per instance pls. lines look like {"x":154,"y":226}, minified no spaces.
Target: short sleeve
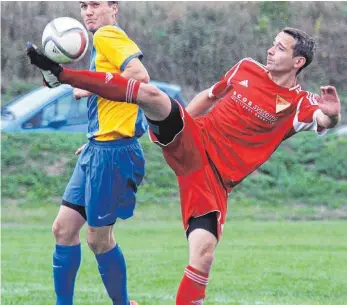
{"x":221,"y":87}
{"x":306,"y":116}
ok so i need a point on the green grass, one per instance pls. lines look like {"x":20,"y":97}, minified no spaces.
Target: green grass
{"x":262,"y":260}
{"x":272,"y":263}
{"x":306,"y":178}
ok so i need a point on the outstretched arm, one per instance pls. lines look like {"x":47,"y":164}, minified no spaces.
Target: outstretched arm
{"x":330,"y":106}
{"x":200,"y":104}
{"x":208,"y":98}
{"x":80,"y":93}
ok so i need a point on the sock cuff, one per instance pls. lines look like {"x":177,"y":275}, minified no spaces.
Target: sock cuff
{"x":62,"y":249}
{"x":196,"y":275}
{"x":110,"y":255}
{"x":133,"y":87}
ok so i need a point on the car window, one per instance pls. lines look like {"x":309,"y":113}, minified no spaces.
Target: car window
{"x":34,"y":122}
{"x":23,"y":105}
{"x":43,"y":118}
{"x":65,"y":108}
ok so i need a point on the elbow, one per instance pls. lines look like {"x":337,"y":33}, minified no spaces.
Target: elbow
{"x":140,"y":75}
{"x":143,"y":77}
{"x":146,"y":78}
{"x":328,"y":121}
{"x":334,"y":121}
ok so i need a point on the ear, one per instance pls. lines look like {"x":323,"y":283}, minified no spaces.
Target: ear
{"x":299,"y":62}
{"x":115,"y":9}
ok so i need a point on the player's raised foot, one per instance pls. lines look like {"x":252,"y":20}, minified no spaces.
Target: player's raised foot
{"x":41,"y":61}
{"x":133,"y":303}
{"x":49,"y":69}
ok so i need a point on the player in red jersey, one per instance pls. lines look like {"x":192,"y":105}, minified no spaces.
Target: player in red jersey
{"x":255,"y":108}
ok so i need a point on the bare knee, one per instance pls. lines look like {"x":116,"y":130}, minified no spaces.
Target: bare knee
{"x":64,"y":234}
{"x":202,"y":245}
{"x":204,"y":257}
{"x":150,"y":92}
{"x":67,"y":226}
{"x":154,"y":102}
{"x":100,"y":240}
{"x":96,"y":245}
{"x":207,"y":258}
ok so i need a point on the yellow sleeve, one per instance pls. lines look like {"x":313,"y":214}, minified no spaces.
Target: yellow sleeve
{"x":113,"y":43}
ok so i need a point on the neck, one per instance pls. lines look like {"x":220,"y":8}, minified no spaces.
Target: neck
{"x":114,"y":23}
{"x":283,"y":80}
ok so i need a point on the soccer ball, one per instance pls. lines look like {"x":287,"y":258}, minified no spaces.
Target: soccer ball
{"x":65,"y":40}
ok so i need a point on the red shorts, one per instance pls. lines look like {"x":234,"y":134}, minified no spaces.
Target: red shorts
{"x":201,"y":190}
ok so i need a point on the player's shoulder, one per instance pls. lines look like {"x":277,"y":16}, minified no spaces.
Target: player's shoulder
{"x":111,"y":31}
{"x":303,"y":96}
{"x":248,"y":65}
{"x":252,"y":63}
{"x":308,"y":96}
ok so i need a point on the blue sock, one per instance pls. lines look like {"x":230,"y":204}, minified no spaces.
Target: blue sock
{"x":112,"y":269}
{"x":66,"y":261}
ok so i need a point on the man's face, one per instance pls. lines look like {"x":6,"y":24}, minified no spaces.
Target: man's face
{"x":96,"y":14}
{"x":280,"y":56}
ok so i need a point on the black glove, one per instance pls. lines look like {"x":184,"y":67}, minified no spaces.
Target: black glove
{"x":50,"y":70}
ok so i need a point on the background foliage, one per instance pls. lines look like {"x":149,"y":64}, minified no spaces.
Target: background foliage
{"x":300,"y":180}
{"x":190,"y":43}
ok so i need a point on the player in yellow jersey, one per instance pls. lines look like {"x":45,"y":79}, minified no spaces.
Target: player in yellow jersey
{"x":110,"y":167}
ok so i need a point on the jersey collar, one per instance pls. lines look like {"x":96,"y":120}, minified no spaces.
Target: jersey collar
{"x":297,"y":86}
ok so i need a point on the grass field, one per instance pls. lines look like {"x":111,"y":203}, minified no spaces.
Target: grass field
{"x":257,"y":263}
{"x":263,"y":258}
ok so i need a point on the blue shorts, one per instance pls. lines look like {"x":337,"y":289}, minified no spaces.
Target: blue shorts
{"x":105,"y":180}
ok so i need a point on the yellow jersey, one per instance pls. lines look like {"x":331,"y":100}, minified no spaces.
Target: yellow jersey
{"x":111,"y":120}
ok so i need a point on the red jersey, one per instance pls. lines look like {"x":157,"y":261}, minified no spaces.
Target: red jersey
{"x":251,"y":119}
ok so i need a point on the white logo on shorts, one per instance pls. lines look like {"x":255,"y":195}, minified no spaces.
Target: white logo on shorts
{"x":102,"y":217}
{"x":54,"y":266}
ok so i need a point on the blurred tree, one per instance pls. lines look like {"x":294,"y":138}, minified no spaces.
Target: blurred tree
{"x":192,"y":43}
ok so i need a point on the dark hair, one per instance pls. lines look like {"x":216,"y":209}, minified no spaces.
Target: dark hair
{"x":113,"y":2}
{"x":305,"y":45}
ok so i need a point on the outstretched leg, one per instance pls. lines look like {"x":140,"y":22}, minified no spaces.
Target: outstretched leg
{"x":155,"y":103}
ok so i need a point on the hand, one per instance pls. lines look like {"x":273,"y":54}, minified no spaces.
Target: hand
{"x":329,"y":101}
{"x":78,"y":151}
{"x":49,"y":69}
{"x":79,"y":93}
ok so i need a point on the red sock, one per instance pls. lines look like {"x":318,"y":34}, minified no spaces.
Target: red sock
{"x":105,"y":84}
{"x":192,"y":288}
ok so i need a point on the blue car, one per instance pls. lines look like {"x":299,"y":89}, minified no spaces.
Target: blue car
{"x":45,"y":109}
